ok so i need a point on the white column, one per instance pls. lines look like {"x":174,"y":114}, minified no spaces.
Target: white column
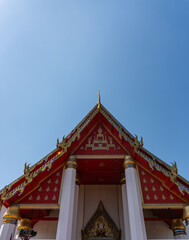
{"x":76,"y":198}
{"x":80,"y":212}
{"x":125,"y":209}
{"x":136,"y":217}
{"x":186,"y":218}
{"x":16,"y":235}
{"x":10,"y":218}
{"x":121,"y":217}
{"x":2,"y":212}
{"x":65,"y":221}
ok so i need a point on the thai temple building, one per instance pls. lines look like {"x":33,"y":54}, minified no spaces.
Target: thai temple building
{"x":99,"y":183}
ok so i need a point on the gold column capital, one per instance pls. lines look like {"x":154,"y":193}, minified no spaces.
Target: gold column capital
{"x":71,"y":162}
{"x":25,"y":224}
{"x":178,"y":227}
{"x":11,"y":215}
{"x":186,"y":214}
{"x":129,"y":162}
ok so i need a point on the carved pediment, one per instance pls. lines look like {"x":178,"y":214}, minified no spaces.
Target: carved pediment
{"x":101,"y":226}
{"x":100,"y":141}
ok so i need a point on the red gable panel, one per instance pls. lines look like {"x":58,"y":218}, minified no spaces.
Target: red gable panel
{"x":153,"y":190}
{"x":100,"y":142}
{"x":47,"y":192}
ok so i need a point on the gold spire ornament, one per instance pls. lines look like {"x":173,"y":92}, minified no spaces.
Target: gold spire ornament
{"x":99,"y":103}
{"x":57,"y":143}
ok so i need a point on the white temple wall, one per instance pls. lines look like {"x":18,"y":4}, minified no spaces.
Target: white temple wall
{"x":89,"y":199}
{"x":45,"y":230}
{"x":158,"y":230}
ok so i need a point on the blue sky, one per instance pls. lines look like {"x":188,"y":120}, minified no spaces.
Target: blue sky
{"x":56,"y":55}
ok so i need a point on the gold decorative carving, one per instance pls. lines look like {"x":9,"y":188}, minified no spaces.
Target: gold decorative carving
{"x":3,"y":196}
{"x":144,"y":180}
{"x":38,"y":198}
{"x":27,"y":173}
{"x":49,"y":181}
{"x":171,"y":197}
{"x":155,"y":197}
{"x":57,"y":143}
{"x":25,"y":224}
{"x":101,"y":164}
{"x":101,"y":226}
{"x":30,"y":197}
{"x":100,"y":142}
{"x":151,"y":180}
{"x":161,"y":189}
{"x":178,"y":227}
{"x":153,"y":189}
{"x":138,"y":144}
{"x":147,"y":197}
{"x":54,"y":198}
{"x":174,"y":172}
{"x":46,"y":198}
{"x":163,"y":197}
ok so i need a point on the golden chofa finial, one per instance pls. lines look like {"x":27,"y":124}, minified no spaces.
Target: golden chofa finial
{"x":99,"y":103}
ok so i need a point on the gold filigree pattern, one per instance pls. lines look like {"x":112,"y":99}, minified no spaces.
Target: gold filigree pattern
{"x":101,"y":226}
{"x":100,"y":142}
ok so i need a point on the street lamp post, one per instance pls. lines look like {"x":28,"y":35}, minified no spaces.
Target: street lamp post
{"x":24,"y":228}
{"x":27,"y":234}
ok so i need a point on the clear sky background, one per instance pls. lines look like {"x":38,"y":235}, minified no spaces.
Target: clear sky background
{"x":56,"y":55}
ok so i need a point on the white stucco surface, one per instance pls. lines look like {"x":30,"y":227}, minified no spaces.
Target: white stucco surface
{"x":45,"y":230}
{"x":108,"y":194}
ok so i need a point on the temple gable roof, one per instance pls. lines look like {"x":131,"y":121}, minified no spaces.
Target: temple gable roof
{"x":99,"y":133}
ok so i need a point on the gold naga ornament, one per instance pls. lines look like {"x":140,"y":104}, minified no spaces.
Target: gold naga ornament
{"x":27,"y":173}
{"x":138,"y":144}
{"x":174,"y":172}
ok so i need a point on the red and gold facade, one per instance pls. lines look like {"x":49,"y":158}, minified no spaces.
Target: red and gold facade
{"x":98,"y":152}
